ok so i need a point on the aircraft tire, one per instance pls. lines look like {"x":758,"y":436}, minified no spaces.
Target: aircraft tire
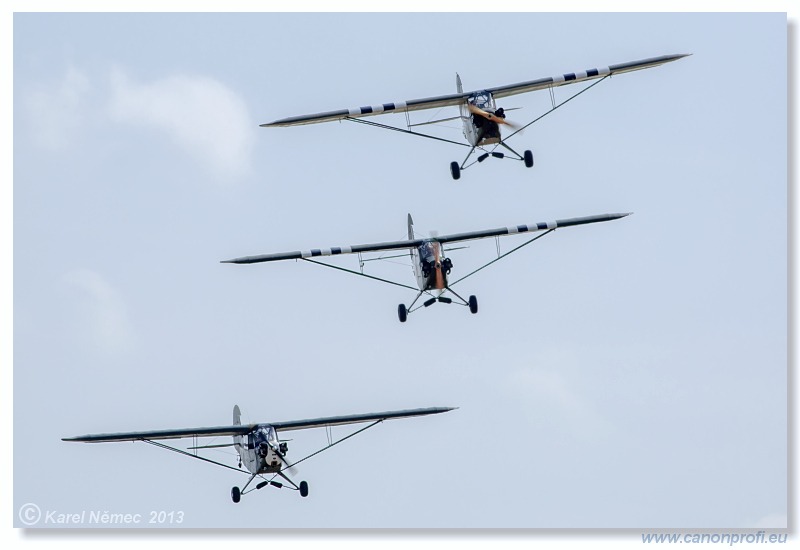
{"x":402,"y":313}
{"x":473,"y":304}
{"x":455,"y":170}
{"x":303,"y":489}
{"x":528,"y":156}
{"x":236,"y":494}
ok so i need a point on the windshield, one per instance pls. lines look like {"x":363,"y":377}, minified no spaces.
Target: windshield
{"x":268,"y":433}
{"x":427,"y":252}
{"x":482,"y":100}
{"x":262,"y":435}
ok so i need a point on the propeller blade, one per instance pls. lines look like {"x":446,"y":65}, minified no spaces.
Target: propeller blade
{"x":288,"y":467}
{"x":489,"y":116}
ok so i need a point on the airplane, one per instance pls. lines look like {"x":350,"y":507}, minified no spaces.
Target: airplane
{"x":430,"y":265}
{"x":259,"y":446}
{"x":481,"y":118}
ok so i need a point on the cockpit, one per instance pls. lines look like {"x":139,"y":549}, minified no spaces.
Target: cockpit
{"x":483,"y":100}
{"x":262,"y":434}
{"x":427,"y":252}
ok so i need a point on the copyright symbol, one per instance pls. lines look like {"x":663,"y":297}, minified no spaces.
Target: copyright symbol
{"x":30,"y":514}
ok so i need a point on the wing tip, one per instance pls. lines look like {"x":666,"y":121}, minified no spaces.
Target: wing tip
{"x":618,"y":215}
{"x":677,"y":56}
{"x":243,"y":260}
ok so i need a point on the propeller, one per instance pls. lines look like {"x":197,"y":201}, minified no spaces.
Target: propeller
{"x":499,"y":119}
{"x":288,"y":467}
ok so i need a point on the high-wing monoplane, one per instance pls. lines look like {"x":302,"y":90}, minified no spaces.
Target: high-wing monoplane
{"x":259,"y":446}
{"x":431,"y":266}
{"x":481,"y":118}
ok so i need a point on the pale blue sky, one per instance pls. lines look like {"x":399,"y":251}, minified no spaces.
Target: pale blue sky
{"x":630,"y":374}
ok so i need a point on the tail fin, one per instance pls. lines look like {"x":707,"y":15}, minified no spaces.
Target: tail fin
{"x":459,"y":88}
{"x":410,"y":228}
{"x":237,"y":421}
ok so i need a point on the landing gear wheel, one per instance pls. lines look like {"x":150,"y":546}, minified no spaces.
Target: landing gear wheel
{"x":473,"y":304}
{"x":528,"y":157}
{"x":303,"y":489}
{"x":455,"y":170}
{"x":236,"y":494}
{"x":402,"y":313}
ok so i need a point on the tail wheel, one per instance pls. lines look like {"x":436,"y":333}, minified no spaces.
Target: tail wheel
{"x":528,"y":157}
{"x":236,"y":494}
{"x":303,"y":489}
{"x":402,"y":313}
{"x":473,"y":304}
{"x":455,"y":170}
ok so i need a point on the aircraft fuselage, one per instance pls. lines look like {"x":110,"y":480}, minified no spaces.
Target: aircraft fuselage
{"x":430,"y":266}
{"x":258,"y":450}
{"x":478,"y":130}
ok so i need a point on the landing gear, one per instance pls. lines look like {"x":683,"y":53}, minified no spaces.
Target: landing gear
{"x":473,"y":304}
{"x":528,"y":158}
{"x":455,"y":170}
{"x":402,"y":313}
{"x":303,"y":489}
{"x":236,"y":494}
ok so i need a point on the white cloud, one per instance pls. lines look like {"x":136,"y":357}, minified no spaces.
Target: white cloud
{"x":57,"y":112}
{"x":103,"y":314}
{"x":199,"y":114}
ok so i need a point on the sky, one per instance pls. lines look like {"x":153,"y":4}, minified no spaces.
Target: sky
{"x":627,"y":375}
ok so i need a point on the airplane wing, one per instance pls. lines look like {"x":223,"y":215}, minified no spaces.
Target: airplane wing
{"x":581,"y":76}
{"x":355,"y":418}
{"x":163,"y":434}
{"x":243,"y":430}
{"x":396,"y":245}
{"x":459,"y":98}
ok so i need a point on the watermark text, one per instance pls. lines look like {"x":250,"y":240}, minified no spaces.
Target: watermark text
{"x":31,"y":515}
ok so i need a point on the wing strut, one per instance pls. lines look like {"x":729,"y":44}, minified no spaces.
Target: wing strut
{"x":293,"y":464}
{"x":537,"y":119}
{"x":181,"y":451}
{"x":360,"y":274}
{"x":396,"y":129}
{"x":501,"y":257}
